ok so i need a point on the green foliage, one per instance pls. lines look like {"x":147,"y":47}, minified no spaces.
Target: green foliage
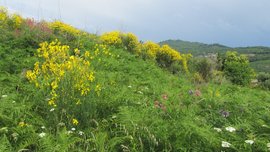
{"x":264,"y":80}
{"x":258,"y":56}
{"x":204,"y":67}
{"x":237,"y":69}
{"x":139,"y":107}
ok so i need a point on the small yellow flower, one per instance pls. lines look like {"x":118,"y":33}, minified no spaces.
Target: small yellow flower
{"x":75,"y":122}
{"x":87,"y":54}
{"x":54,"y":85}
{"x":22,"y":124}
{"x":77,"y":51}
{"x":217,"y":94}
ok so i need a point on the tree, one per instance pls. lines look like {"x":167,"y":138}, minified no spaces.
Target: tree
{"x":237,"y":68}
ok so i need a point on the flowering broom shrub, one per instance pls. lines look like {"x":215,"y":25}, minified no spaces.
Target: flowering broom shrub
{"x":149,"y":50}
{"x":66,"y":81}
{"x":13,"y":21}
{"x":112,"y":38}
{"x":166,"y":56}
{"x":131,"y":43}
{"x":68,"y":31}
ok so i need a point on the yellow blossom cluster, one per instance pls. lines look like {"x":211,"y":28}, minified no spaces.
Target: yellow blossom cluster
{"x":13,"y":20}
{"x":151,"y":49}
{"x":60,"y":68}
{"x":163,"y":54}
{"x":131,"y":43}
{"x":166,"y":50}
{"x":112,"y":38}
{"x":3,"y":16}
{"x":61,"y":27}
{"x":16,"y":20}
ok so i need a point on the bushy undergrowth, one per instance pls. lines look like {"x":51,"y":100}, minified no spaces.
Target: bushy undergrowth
{"x":92,"y":93}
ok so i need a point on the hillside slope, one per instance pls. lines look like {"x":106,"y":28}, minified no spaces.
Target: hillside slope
{"x":259,"y":56}
{"x":55,"y":97}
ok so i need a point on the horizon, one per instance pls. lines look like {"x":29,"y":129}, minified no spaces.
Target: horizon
{"x":227,"y":23}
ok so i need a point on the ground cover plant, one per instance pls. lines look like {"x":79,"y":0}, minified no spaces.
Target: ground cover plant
{"x":63,"y":89}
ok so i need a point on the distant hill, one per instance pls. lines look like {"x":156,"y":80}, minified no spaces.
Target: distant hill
{"x":259,"y":56}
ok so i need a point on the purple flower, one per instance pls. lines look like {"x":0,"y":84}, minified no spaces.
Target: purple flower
{"x":190,"y":92}
{"x":224,"y":113}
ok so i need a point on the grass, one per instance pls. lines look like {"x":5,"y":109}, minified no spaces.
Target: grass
{"x":141,"y":107}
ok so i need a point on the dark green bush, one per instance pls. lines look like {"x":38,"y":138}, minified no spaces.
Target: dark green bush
{"x":262,"y":76}
{"x":237,"y":68}
{"x":205,"y":68}
{"x":264,"y":80}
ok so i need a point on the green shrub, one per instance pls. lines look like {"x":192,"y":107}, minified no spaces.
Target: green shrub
{"x":237,"y":68}
{"x":205,"y":68}
{"x":264,"y":80}
{"x":262,"y":76}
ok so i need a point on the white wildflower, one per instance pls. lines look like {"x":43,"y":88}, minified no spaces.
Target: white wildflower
{"x":73,"y":129}
{"x":4,"y":96}
{"x":218,"y":129}
{"x":249,"y":142}
{"x":52,"y":110}
{"x":230,"y":129}
{"x":225,"y":144}
{"x":43,"y":127}
{"x":81,"y":133}
{"x":42,"y":134}
{"x":140,"y":92}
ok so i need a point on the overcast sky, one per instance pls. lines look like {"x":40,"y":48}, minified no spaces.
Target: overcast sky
{"x":228,"y":22}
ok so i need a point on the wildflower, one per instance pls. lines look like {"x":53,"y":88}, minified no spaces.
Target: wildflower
{"x":163,"y":107}
{"x":225,"y":113}
{"x":4,"y":96}
{"x":69,"y":132}
{"x":77,"y":51}
{"x":43,"y":127}
{"x":42,"y":134}
{"x":22,"y":124}
{"x":230,"y":129}
{"x":81,"y":133}
{"x":225,"y":144}
{"x":87,"y":54}
{"x":190,"y":92}
{"x":165,"y":96}
{"x":198,"y":93}
{"x":15,"y":136}
{"x":217,"y":94}
{"x":75,"y":121}
{"x":61,"y":124}
{"x":54,"y":85}
{"x":249,"y":142}
{"x":52,"y":110}
{"x":218,"y":129}
{"x":156,"y":103}
{"x":73,"y":129}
